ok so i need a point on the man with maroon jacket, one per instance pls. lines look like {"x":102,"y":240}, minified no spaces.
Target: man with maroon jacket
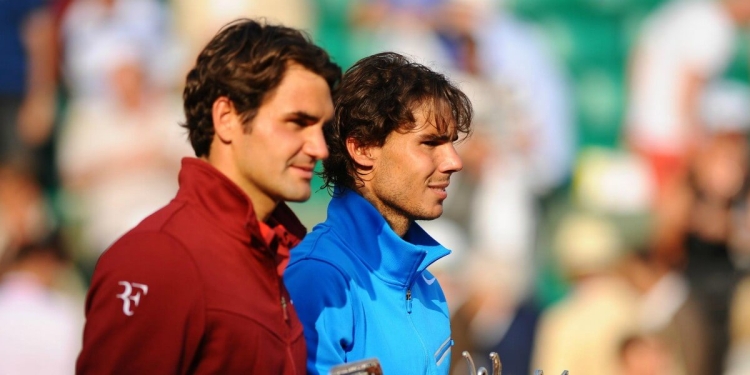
{"x":196,"y":287}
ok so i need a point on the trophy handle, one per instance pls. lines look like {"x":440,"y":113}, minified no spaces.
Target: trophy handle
{"x":469,"y":362}
{"x":497,"y":367}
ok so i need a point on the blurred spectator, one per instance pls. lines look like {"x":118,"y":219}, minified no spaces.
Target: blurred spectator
{"x":511,"y":55}
{"x":496,"y":315}
{"x":582,"y":333}
{"x":494,"y":202}
{"x":738,"y":358}
{"x":24,"y":212}
{"x":715,"y":183}
{"x":682,"y":46}
{"x":40,"y":328}
{"x":116,"y":151}
{"x":718,"y":173}
{"x":697,"y":229}
{"x":670,"y":316}
{"x":493,"y":196}
{"x":403,"y":26}
{"x":27,"y":79}
{"x":92,"y":30}
{"x":119,"y":153}
{"x":725,"y":108}
{"x":197,"y":21}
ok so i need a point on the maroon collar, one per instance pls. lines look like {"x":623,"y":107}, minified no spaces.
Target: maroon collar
{"x":227,"y":205}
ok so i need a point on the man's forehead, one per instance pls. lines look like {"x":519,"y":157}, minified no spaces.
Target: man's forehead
{"x":434,"y":117}
{"x":301,"y":89}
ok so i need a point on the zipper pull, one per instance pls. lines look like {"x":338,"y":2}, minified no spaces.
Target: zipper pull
{"x":283,"y":307}
{"x":408,"y":301}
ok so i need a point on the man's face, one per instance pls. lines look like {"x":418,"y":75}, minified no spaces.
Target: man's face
{"x":412,"y":170}
{"x":276,"y":154}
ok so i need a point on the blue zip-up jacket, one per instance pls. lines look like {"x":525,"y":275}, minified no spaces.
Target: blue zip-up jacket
{"x":361,"y":291}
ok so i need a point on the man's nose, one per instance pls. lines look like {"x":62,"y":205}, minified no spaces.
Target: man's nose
{"x":451,"y":161}
{"x":316,"y":144}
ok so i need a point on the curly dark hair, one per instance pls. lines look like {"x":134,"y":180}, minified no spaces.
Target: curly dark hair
{"x":378,"y":95}
{"x":245,"y":61}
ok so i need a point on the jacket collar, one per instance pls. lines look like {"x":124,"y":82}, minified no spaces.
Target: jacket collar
{"x":230,"y":208}
{"x":392,"y":258}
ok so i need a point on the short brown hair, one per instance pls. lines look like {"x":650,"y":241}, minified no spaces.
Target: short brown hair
{"x":379,"y":95}
{"x":245,"y":61}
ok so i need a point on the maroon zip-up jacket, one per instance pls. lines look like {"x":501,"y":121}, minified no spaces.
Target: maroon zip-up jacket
{"x":196,"y":288}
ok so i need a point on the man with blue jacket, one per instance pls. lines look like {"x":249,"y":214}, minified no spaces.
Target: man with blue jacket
{"x":359,"y":280}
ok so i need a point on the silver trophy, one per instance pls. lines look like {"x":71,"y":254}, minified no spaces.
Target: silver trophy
{"x":369,"y":366}
{"x":497,"y":367}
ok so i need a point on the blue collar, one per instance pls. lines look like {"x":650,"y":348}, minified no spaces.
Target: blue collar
{"x":392,"y":258}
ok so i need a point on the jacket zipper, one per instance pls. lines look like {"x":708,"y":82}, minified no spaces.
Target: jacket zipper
{"x":408,"y":301}
{"x":416,"y":331}
{"x":285,"y":312}
{"x":280,"y":283}
{"x":283,"y":307}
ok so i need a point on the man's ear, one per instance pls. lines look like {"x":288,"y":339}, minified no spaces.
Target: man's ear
{"x":362,"y":155}
{"x":225,"y":119}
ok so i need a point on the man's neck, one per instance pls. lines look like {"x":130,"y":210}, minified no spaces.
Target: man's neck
{"x":262,"y":204}
{"x":399,"y":224}
{"x":397,"y":220}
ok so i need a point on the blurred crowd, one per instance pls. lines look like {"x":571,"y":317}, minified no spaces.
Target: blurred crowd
{"x":601,"y":223}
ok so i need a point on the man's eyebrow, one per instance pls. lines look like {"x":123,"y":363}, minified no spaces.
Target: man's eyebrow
{"x":439,"y":137}
{"x":304,"y":116}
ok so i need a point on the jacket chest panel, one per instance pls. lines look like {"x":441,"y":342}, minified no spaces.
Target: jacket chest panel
{"x":245,"y":318}
{"x":243,"y":281}
{"x":246,"y":286}
{"x":418,"y":339}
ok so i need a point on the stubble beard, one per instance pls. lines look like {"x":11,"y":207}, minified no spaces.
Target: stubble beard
{"x":400,"y":205}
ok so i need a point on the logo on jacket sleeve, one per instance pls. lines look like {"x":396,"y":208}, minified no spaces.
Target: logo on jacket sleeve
{"x":130,"y":300}
{"x":429,"y":281}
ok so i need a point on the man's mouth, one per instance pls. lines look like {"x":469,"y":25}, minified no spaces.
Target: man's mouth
{"x":439,"y":188}
{"x":305,"y":170}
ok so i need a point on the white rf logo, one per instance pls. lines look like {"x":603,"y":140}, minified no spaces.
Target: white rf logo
{"x":127,"y":296}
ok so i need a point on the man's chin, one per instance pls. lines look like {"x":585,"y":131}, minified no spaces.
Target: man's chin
{"x":298,"y":197}
{"x":431,"y":215}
